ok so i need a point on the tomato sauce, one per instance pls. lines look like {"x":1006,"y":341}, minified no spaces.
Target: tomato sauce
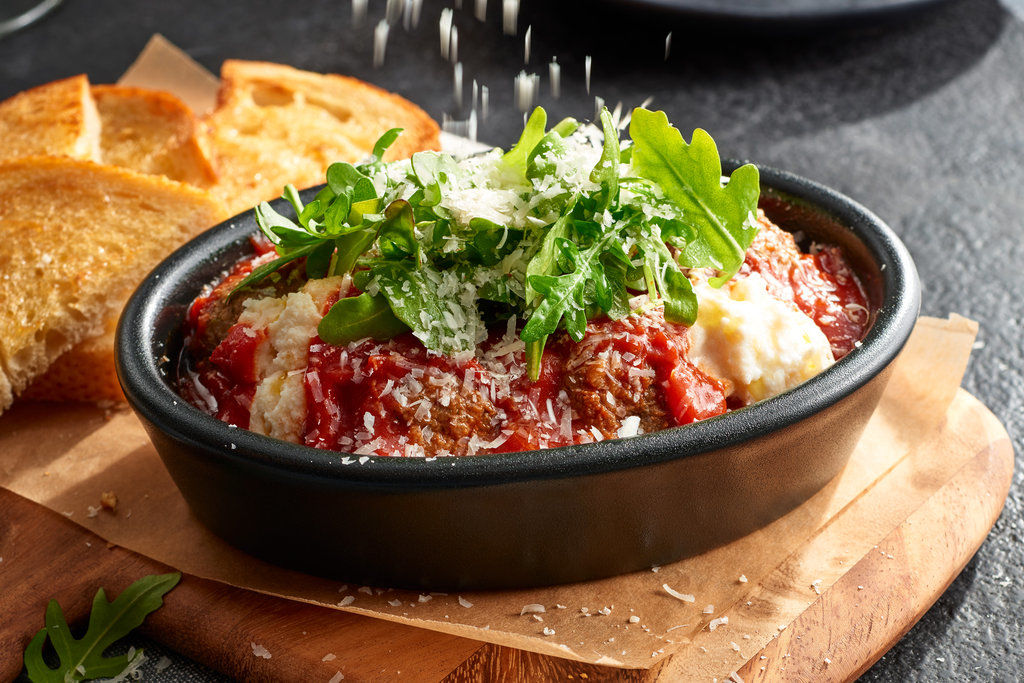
{"x":821,"y":284}
{"x":397,"y":397}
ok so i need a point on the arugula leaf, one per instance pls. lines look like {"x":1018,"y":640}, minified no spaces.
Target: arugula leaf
{"x":342,"y":177}
{"x":382,"y":144}
{"x":358,"y":317}
{"x":397,"y":235}
{"x":349,"y":248}
{"x":564,"y":296}
{"x":292,"y":195}
{"x":491,"y":241}
{"x":82,"y":658}
{"x":566,"y":127}
{"x":533,"y":131}
{"x":363,"y":191}
{"x":690,"y":175}
{"x":318,"y":263}
{"x":431,"y":168}
{"x":606,"y":172}
{"x":670,"y":285}
{"x":337,"y":214}
{"x":261,"y":272}
{"x":442,"y":323}
{"x":611,"y":289}
{"x":542,"y":159}
{"x":280,"y":230}
{"x":544,"y":262}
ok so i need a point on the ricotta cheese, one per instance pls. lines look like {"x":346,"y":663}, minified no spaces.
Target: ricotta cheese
{"x":757,"y":345}
{"x":279,"y":404}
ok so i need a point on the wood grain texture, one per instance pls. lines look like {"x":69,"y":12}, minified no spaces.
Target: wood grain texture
{"x":873,"y":605}
{"x":47,"y":556}
{"x":499,"y":663}
{"x":43,"y":555}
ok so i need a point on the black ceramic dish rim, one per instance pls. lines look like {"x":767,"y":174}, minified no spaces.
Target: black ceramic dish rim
{"x":153,"y":399}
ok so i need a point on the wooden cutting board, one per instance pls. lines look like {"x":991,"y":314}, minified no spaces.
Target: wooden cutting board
{"x":857,"y":619}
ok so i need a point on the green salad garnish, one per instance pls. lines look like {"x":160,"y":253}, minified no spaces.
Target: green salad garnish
{"x":568,"y":225}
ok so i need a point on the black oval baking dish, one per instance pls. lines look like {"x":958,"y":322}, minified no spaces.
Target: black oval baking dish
{"x":519,"y":519}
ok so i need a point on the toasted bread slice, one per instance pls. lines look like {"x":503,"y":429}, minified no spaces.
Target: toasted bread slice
{"x":59,"y":119}
{"x":151,"y":132}
{"x":84,"y":373}
{"x":77,"y":235}
{"x":276,"y":125}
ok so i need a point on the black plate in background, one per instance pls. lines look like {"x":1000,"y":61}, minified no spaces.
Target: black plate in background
{"x":794,"y":13}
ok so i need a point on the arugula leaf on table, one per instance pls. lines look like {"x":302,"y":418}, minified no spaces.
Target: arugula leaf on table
{"x":690,"y":175}
{"x":82,"y":658}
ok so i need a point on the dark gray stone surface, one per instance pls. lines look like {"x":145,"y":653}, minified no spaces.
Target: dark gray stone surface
{"x":922,"y":121}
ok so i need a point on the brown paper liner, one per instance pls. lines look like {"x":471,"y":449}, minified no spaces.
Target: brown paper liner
{"x":66,"y":456}
{"x":162,"y":66}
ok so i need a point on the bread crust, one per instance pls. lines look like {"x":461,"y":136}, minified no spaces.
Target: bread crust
{"x":153,"y":132}
{"x":74,"y":232}
{"x":275,"y":125}
{"x":85,"y":373}
{"x":58,"y":118}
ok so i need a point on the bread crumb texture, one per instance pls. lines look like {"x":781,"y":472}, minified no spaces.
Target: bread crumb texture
{"x":275,"y":125}
{"x":75,"y":231}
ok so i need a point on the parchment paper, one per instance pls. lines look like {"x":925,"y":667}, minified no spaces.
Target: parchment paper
{"x":64,"y":456}
{"x":162,"y":66}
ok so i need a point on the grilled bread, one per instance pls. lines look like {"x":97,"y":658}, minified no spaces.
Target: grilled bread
{"x":86,"y":372}
{"x":151,"y":132}
{"x":276,"y":125}
{"x":77,"y":234}
{"x":59,"y":119}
